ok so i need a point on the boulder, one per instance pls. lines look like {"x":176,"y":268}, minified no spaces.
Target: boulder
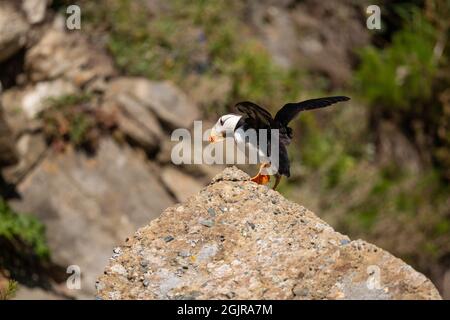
{"x":320,"y":41}
{"x":239,"y":240}
{"x":22,"y":104}
{"x":68,"y":55}
{"x":91,"y":203}
{"x":30,"y":149}
{"x":171,"y":105}
{"x":164,"y":99}
{"x":13,"y":30}
{"x":13,"y":112}
{"x":35,"y":10}
{"x":132,"y":116}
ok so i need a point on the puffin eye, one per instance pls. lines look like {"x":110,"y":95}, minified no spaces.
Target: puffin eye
{"x":221,"y":121}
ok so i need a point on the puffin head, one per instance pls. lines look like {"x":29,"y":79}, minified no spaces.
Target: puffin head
{"x":223,"y":127}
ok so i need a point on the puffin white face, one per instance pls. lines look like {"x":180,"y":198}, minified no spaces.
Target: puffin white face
{"x":225,"y":125}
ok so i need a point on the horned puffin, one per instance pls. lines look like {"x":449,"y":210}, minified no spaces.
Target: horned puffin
{"x":252,"y":116}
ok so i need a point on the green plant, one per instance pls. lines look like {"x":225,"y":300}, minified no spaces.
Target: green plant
{"x":71,"y":119}
{"x":401,"y":74}
{"x":9,"y":290}
{"x":194,"y":39}
{"x":16,"y":227}
{"x":408,"y":80}
{"x":338,"y":169}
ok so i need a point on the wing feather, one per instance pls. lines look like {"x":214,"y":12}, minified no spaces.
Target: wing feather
{"x":257,"y":116}
{"x":290,"y":110}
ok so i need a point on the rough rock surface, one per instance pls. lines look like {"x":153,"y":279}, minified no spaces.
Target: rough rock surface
{"x":240,"y":240}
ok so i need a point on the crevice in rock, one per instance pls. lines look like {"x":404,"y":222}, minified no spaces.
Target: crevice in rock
{"x":11,"y":68}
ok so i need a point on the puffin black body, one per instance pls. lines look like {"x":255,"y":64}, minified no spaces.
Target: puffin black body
{"x":257,"y":118}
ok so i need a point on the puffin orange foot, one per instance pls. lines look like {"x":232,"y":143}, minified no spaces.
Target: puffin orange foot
{"x":261,"y":179}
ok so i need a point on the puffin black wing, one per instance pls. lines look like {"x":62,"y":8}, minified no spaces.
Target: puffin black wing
{"x":290,"y":110}
{"x":257,"y":116}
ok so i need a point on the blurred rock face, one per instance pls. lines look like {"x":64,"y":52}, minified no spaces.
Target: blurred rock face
{"x":319,"y":33}
{"x":35,"y":10}
{"x":60,"y":54}
{"x":90,"y":204}
{"x":239,"y":240}
{"x":8,"y":155}
{"x":13,"y":30}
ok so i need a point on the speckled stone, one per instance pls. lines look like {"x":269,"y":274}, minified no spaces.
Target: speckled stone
{"x":258,"y":246}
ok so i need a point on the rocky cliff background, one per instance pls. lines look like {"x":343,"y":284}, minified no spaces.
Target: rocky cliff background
{"x":86,"y":117}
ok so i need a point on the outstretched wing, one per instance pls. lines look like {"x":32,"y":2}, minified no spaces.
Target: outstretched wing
{"x":290,"y":110}
{"x":257,"y":117}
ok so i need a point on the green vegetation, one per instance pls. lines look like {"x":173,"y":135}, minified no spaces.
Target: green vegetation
{"x":24,"y":229}
{"x":192,"y":39}
{"x":402,"y":82}
{"x":71,"y":119}
{"x":408,"y":80}
{"x":8,"y":291}
{"x":399,"y":76}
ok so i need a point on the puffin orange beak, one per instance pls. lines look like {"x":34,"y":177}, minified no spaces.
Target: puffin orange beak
{"x":214,"y":137}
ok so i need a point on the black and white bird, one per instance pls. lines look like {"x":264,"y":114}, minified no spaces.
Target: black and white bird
{"x":252,"y":116}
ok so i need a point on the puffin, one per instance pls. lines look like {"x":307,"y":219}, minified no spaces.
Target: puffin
{"x":249,"y":115}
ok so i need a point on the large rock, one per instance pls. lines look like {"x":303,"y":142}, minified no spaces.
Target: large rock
{"x":13,"y":30}
{"x":68,"y":55}
{"x":164,"y":99}
{"x":29,"y":101}
{"x":30,"y":149}
{"x":35,"y":10}
{"x":240,"y":240}
{"x":321,"y":42}
{"x":132,"y":115}
{"x":89,"y":204}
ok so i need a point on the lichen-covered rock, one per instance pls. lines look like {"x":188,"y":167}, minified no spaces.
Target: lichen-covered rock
{"x":240,"y":240}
